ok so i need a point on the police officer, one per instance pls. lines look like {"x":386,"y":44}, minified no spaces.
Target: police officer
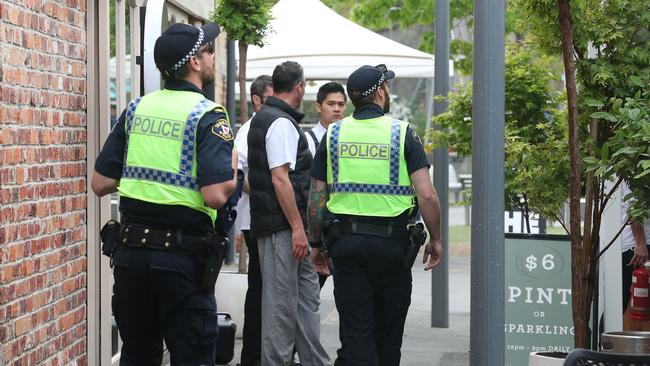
{"x":170,"y":156}
{"x":368,"y":169}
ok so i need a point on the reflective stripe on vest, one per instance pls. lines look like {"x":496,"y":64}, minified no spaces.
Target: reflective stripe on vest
{"x":393,"y":188}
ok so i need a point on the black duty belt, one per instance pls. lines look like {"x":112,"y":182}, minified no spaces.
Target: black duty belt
{"x":142,"y":236}
{"x":391,"y":230}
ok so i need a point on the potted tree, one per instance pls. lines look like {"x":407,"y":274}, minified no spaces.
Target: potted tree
{"x":605,"y":48}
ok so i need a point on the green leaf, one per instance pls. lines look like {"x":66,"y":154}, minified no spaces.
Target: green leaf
{"x":625,"y":150}
{"x":594,"y":102}
{"x":643,"y":174}
{"x":603,"y":115}
{"x":634,"y":114}
{"x":637,"y":81}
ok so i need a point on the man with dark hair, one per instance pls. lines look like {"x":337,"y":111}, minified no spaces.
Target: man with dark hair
{"x":171,"y":158}
{"x":279,"y":162}
{"x":366,"y":174}
{"x":330,"y":104}
{"x":261,"y":88}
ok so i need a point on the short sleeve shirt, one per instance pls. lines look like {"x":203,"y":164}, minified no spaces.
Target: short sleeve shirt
{"x":243,"y":220}
{"x":282,"y":143}
{"x":318,"y":132}
{"x":214,"y":165}
{"x":413,"y":148}
{"x":627,"y":238}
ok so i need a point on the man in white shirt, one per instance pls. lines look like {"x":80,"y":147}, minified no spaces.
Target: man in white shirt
{"x":261,"y":88}
{"x":635,"y":243}
{"x":279,"y":162}
{"x":330,"y":104}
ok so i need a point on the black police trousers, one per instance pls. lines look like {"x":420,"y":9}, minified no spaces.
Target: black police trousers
{"x":372,"y":291}
{"x":157,"y":296}
{"x":252,"y":332}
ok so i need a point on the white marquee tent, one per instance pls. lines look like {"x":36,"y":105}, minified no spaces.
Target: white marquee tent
{"x":329,"y":46}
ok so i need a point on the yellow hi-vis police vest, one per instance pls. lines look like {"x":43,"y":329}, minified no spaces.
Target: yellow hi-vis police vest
{"x":160,"y":155}
{"x":367,"y":174}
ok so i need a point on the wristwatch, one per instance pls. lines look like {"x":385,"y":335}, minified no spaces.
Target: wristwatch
{"x":318,"y":245}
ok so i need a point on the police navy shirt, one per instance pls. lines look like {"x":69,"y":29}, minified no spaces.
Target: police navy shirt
{"x":413,"y":149}
{"x":214,"y":165}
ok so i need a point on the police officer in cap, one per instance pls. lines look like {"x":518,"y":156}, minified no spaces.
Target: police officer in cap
{"x":171,"y":158}
{"x":365,"y":176}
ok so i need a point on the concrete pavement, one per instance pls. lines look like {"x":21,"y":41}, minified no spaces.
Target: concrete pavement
{"x":422,"y":345}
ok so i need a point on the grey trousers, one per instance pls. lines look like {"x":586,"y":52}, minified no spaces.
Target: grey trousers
{"x":290,"y":301}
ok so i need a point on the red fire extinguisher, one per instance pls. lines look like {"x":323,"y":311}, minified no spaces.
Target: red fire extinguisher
{"x":640,"y":301}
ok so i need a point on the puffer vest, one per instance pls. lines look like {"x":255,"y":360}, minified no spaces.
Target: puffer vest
{"x":266,"y":214}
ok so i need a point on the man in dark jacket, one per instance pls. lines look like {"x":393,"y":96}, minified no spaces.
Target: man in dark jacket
{"x":279,"y":161}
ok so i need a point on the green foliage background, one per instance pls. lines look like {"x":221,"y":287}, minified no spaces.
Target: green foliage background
{"x":612,"y":53}
{"x":244,"y":20}
{"x":535,"y":132}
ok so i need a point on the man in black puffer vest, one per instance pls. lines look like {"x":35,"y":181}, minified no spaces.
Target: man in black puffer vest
{"x":279,"y":161}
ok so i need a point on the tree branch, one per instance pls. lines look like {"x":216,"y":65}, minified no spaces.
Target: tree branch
{"x":613,"y":239}
{"x":557,"y":218}
{"x":609,"y":195}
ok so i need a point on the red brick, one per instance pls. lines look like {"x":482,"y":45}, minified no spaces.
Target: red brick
{"x":43,"y":178}
{"x":22,"y":325}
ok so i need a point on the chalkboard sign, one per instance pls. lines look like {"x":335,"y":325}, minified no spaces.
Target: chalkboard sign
{"x":537,"y":296}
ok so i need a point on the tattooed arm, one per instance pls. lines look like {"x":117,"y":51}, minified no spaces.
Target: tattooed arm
{"x":316,"y":209}
{"x":315,"y":216}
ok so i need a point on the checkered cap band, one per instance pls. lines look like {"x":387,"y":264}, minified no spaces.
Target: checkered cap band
{"x":159,"y":176}
{"x":192,"y":52}
{"x":374,"y":87}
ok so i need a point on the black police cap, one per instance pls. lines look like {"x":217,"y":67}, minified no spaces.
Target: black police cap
{"x":367,"y":79}
{"x":179,"y":42}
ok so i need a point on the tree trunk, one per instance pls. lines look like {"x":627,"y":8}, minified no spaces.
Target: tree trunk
{"x":243,"y":98}
{"x":243,"y":117}
{"x":579,"y":256}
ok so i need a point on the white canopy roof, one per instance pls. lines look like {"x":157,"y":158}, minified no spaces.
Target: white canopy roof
{"x":329,"y":46}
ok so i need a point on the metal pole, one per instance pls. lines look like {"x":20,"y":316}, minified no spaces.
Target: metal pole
{"x":487,"y":339}
{"x":428,"y":109}
{"x":440,"y":274}
{"x":231,"y":77}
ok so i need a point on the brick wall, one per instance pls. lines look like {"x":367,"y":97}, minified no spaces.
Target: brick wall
{"x":43,"y":183}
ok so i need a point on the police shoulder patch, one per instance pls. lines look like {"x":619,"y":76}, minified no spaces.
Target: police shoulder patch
{"x":416,"y":137}
{"x":222,"y":129}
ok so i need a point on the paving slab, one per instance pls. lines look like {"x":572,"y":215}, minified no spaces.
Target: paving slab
{"x":422,"y":344}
